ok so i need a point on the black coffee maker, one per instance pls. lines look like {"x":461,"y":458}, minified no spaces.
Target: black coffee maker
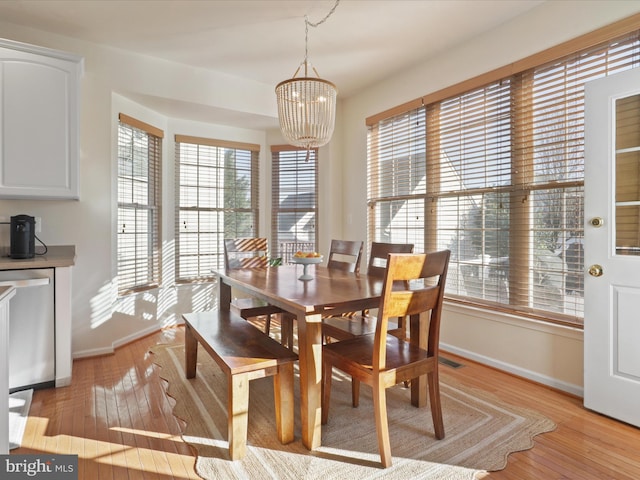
{"x":23,"y":234}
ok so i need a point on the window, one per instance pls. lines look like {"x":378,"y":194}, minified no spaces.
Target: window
{"x":216,"y":198}
{"x":138,"y":233}
{"x":294,"y":195}
{"x":496,"y":174}
{"x":396,"y":181}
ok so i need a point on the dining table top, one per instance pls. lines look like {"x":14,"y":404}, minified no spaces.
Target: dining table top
{"x":329,"y":291}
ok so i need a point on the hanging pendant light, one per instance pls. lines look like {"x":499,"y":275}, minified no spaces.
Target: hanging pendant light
{"x":307,"y":105}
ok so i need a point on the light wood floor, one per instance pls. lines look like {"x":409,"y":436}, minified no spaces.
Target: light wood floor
{"x":117,"y":418}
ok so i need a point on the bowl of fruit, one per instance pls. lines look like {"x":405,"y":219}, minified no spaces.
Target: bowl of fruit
{"x":306,"y":259}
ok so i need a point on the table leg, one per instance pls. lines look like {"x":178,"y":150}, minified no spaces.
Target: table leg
{"x":310,"y":359}
{"x":419,"y":335}
{"x":224,"y":290}
{"x":190,"y":351}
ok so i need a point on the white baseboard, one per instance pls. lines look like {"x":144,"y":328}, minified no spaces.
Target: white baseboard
{"x":515,"y":370}
{"x":63,"y":382}
{"x":95,"y":352}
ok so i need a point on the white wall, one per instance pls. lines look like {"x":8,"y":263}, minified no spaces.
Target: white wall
{"x":543,"y":352}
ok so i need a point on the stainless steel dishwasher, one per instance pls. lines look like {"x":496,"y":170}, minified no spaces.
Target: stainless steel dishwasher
{"x":31,"y":328}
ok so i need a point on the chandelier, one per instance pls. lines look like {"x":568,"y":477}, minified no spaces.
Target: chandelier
{"x":307,"y":105}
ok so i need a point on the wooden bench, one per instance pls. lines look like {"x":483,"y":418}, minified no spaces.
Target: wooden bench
{"x":243,"y":353}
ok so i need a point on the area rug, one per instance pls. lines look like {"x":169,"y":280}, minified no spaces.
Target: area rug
{"x":19,"y":405}
{"x":481,"y":431}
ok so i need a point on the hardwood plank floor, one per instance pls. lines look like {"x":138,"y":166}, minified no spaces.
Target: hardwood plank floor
{"x":116,"y":416}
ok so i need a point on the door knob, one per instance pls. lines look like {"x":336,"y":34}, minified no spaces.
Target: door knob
{"x":596,"y":222}
{"x":595,"y":270}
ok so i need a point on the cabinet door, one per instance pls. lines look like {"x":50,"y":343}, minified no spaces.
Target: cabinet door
{"x":38,"y":122}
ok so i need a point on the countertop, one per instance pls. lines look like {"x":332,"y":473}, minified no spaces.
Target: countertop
{"x":56,"y":256}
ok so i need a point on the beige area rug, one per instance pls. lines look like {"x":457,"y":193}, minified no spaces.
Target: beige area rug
{"x":480,"y":430}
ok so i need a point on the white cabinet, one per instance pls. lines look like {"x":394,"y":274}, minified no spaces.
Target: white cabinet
{"x":39,"y":122}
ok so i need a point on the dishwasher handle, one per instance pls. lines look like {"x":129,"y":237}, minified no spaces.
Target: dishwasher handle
{"x":25,"y":282}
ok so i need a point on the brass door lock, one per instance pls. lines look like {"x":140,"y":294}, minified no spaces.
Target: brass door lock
{"x":596,"y":222}
{"x":596,"y":270}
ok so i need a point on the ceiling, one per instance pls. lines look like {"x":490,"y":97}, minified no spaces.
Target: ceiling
{"x":361,"y":43}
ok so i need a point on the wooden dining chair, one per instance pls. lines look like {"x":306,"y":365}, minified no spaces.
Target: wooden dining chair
{"x":252,"y":253}
{"x":382,"y":360}
{"x":377,"y":265}
{"x":349,"y":326}
{"x":345,"y":255}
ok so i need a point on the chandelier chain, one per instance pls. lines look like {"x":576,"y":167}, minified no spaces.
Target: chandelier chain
{"x":306,"y":28}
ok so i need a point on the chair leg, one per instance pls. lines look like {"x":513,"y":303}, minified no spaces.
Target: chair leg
{"x":382,"y":425}
{"x":285,"y":407}
{"x":355,"y":392}
{"x":327,"y":372}
{"x":238,"y":406}
{"x":291,"y":321}
{"x":436,"y":406}
{"x":267,"y":324}
{"x":286,"y":329}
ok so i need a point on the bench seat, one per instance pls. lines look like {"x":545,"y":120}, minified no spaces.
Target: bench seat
{"x":243,"y":353}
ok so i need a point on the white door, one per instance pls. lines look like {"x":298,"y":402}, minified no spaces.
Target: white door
{"x":612,"y":246}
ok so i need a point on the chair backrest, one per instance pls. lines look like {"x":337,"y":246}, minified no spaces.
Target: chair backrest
{"x":245,"y":253}
{"x":424,"y":276}
{"x":378,"y":256}
{"x":345,"y":255}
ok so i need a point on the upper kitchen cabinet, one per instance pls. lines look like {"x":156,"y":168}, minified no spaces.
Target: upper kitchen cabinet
{"x":39,"y":122}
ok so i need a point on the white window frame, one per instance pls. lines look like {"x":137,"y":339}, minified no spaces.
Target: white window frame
{"x":139,"y":197}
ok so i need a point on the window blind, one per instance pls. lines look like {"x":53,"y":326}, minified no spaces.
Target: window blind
{"x":496,"y":174}
{"x":138,"y":231}
{"x":396,"y":180}
{"x":216,"y":198}
{"x":294,"y":185}
{"x":472,"y":161}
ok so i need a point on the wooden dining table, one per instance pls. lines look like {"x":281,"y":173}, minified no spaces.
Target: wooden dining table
{"x":328,"y":292}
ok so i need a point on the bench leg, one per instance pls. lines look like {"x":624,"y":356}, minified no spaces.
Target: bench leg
{"x":238,"y":407}
{"x":283,"y":396}
{"x":191,"y":352}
